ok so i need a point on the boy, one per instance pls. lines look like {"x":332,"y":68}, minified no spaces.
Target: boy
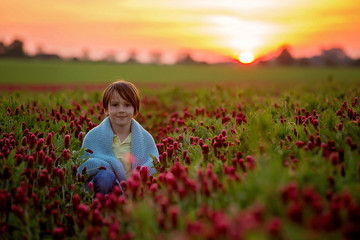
{"x":119,"y":143}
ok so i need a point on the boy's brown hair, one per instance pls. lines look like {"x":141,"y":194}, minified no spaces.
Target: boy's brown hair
{"x":126,"y":90}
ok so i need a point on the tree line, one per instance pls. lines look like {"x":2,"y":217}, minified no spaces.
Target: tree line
{"x":328,"y":57}
{"x":16,"y":50}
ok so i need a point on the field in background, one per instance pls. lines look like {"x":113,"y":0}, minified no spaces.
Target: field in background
{"x":20,"y":73}
{"x":253,"y":153}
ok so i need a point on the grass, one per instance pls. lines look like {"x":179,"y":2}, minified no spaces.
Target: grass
{"x":326,"y":190}
{"x":13,"y":71}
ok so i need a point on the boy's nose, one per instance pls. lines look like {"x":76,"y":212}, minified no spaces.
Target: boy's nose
{"x":121,"y":109}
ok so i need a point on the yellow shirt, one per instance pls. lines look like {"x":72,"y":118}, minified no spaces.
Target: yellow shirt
{"x":122,"y":152}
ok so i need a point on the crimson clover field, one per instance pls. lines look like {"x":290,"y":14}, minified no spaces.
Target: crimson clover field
{"x":236,"y":162}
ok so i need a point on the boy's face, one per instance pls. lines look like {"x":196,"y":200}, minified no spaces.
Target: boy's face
{"x":119,"y":111}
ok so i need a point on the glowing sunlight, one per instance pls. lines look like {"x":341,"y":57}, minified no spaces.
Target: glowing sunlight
{"x":246,"y":57}
{"x":211,"y":30}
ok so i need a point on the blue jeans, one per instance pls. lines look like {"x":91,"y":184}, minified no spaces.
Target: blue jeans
{"x":104,"y":181}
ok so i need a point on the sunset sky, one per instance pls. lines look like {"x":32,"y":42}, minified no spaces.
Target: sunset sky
{"x":208,"y":28}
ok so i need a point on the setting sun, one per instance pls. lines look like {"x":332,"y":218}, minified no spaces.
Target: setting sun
{"x":246,"y":57}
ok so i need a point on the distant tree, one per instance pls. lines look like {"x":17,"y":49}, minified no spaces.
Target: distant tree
{"x":285,"y":57}
{"x":39,"y":49}
{"x":335,"y":56}
{"x":304,"y":62}
{"x":155,"y":57}
{"x":329,"y":61}
{"x":15,"y":49}
{"x":263,"y":62}
{"x":85,"y":55}
{"x":47,"y":56}
{"x":132,"y":57}
{"x":357,"y":62}
{"x":110,"y":56}
{"x":2,"y":48}
{"x":40,"y":54}
{"x":185,"y":58}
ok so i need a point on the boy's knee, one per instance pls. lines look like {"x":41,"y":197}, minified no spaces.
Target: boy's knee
{"x":104,"y":181}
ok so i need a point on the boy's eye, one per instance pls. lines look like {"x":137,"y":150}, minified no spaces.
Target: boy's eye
{"x":114,"y":104}
{"x":127,"y":105}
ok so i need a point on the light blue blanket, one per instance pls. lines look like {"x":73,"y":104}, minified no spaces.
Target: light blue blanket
{"x":99,"y":140}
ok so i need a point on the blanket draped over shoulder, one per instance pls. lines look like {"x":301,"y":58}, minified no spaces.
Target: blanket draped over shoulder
{"x":99,"y":140}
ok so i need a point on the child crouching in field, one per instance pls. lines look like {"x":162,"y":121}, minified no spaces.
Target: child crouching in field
{"x":119,"y":144}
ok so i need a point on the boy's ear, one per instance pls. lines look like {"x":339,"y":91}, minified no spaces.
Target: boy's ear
{"x":106,"y":112}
